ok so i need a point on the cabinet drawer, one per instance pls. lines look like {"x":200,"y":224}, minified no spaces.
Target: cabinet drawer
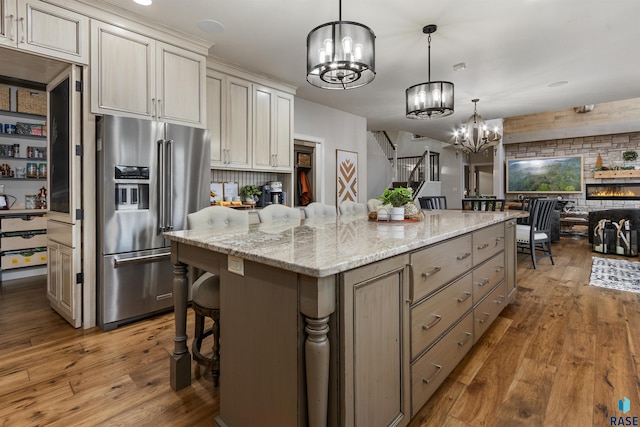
{"x":487,"y":276}
{"x":428,"y":372}
{"x":437,"y":313}
{"x":23,"y":259}
{"x":487,"y":311}
{"x":487,"y":242}
{"x":436,"y":265}
{"x":23,"y":241}
{"x":24,"y":224}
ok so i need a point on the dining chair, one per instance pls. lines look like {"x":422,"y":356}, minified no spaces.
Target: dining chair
{"x":278,"y":212}
{"x":536,"y":235}
{"x":319,"y":210}
{"x":352,"y":208}
{"x":433,"y":202}
{"x":205,"y":290}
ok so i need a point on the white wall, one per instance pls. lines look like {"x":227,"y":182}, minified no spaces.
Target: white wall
{"x":451,"y":170}
{"x":339,"y":130}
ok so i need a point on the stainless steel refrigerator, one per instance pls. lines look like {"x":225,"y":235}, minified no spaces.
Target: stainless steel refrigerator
{"x":150,"y":176}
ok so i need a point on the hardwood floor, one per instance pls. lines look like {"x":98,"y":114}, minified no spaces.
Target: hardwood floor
{"x":563,"y":354}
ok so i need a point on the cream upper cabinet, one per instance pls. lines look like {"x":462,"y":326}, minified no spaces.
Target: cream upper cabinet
{"x":273,"y":129}
{"x":135,"y":75}
{"x":45,"y":29}
{"x":229,"y":113}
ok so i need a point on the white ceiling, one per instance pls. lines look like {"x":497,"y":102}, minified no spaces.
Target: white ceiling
{"x":513,"y":50}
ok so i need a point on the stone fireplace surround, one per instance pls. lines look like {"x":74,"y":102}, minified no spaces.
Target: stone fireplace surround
{"x":610,"y":147}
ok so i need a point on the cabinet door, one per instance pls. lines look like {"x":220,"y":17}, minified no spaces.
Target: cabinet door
{"x":263,"y":132}
{"x":180,"y":94}
{"x":8,"y":30}
{"x":53,"y":31}
{"x":216,"y":116}
{"x":63,"y":292}
{"x":272,"y":129}
{"x":283,"y":130}
{"x":53,"y":272}
{"x":239,"y":138}
{"x":374,"y":340}
{"x":122,"y":77}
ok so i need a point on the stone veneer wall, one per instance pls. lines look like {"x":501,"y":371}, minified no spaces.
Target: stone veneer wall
{"x":610,"y":148}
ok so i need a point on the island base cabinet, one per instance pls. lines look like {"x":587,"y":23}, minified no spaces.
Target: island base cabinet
{"x":375,"y":338}
{"x":489,"y":309}
{"x":430,"y":370}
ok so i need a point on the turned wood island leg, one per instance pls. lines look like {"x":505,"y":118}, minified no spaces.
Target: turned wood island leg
{"x":180,"y":361}
{"x":317,"y":302}
{"x":316,"y":350}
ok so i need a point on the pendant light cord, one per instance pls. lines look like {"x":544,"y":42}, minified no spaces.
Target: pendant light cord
{"x":429,"y":59}
{"x":339,"y":10}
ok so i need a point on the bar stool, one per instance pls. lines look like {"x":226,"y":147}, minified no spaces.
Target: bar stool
{"x":205,"y":291}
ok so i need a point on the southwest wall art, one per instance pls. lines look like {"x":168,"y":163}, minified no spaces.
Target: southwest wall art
{"x":545,"y":175}
{"x":346,"y":176}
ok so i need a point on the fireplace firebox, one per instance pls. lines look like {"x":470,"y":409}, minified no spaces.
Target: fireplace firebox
{"x":615,"y":191}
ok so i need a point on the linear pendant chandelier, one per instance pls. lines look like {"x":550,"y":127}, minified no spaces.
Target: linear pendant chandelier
{"x":429,"y":99}
{"x":341,"y":55}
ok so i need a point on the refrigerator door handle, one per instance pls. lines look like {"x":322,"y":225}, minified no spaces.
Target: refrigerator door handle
{"x":169,"y":185}
{"x":161,"y":185}
{"x":120,"y":262}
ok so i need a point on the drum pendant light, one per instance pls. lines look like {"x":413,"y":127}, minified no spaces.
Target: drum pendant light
{"x":430,"y":99}
{"x":341,"y":55}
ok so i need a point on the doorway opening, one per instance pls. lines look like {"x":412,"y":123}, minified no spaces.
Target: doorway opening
{"x":305,"y":172}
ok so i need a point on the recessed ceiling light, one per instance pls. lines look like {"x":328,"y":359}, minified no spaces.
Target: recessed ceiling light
{"x":143,"y":2}
{"x":558,"y":83}
{"x":210,"y":26}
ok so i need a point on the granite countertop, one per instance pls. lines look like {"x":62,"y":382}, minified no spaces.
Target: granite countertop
{"x":323,"y":247}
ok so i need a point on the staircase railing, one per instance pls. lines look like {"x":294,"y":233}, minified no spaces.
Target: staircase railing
{"x":385,"y":143}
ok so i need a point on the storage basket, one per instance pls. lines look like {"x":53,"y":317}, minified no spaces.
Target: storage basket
{"x":5,"y":98}
{"x":32,"y":102}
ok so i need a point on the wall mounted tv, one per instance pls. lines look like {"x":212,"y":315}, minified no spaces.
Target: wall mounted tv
{"x":545,"y":175}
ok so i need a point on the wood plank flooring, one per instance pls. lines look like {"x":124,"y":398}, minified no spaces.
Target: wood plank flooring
{"x":563,"y":354}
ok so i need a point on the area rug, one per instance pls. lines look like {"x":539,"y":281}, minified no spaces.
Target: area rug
{"x":615,"y":274}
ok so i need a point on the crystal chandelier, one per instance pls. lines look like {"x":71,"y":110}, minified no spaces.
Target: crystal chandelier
{"x":341,"y":55}
{"x":475,"y":137}
{"x":429,"y":99}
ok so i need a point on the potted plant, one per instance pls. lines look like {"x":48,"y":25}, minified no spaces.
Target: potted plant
{"x":629,"y":156}
{"x":397,"y":198}
{"x":249,"y":192}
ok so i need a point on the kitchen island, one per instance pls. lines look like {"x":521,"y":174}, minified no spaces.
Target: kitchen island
{"x":346,"y":321}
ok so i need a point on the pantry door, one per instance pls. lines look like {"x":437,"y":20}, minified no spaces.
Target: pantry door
{"x":64,"y":220}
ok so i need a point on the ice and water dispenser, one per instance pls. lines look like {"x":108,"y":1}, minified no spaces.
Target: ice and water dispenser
{"x":132,"y":187}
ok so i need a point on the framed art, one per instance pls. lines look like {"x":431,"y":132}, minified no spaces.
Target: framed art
{"x":346,"y":176}
{"x":545,"y":175}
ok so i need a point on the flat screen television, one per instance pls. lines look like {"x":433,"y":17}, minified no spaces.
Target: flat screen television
{"x":563,"y":175}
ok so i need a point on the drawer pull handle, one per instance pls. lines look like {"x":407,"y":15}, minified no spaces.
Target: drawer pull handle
{"x":438,"y":369}
{"x":466,"y":296}
{"x":431,"y":272}
{"x":486,"y":315}
{"x":463,"y":256}
{"x":28,"y":236}
{"x":499,"y":300}
{"x":483,"y":246}
{"x":432,"y":324}
{"x":483,"y":282}
{"x":499,"y":269}
{"x":466,"y":340}
{"x":499,"y":238}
